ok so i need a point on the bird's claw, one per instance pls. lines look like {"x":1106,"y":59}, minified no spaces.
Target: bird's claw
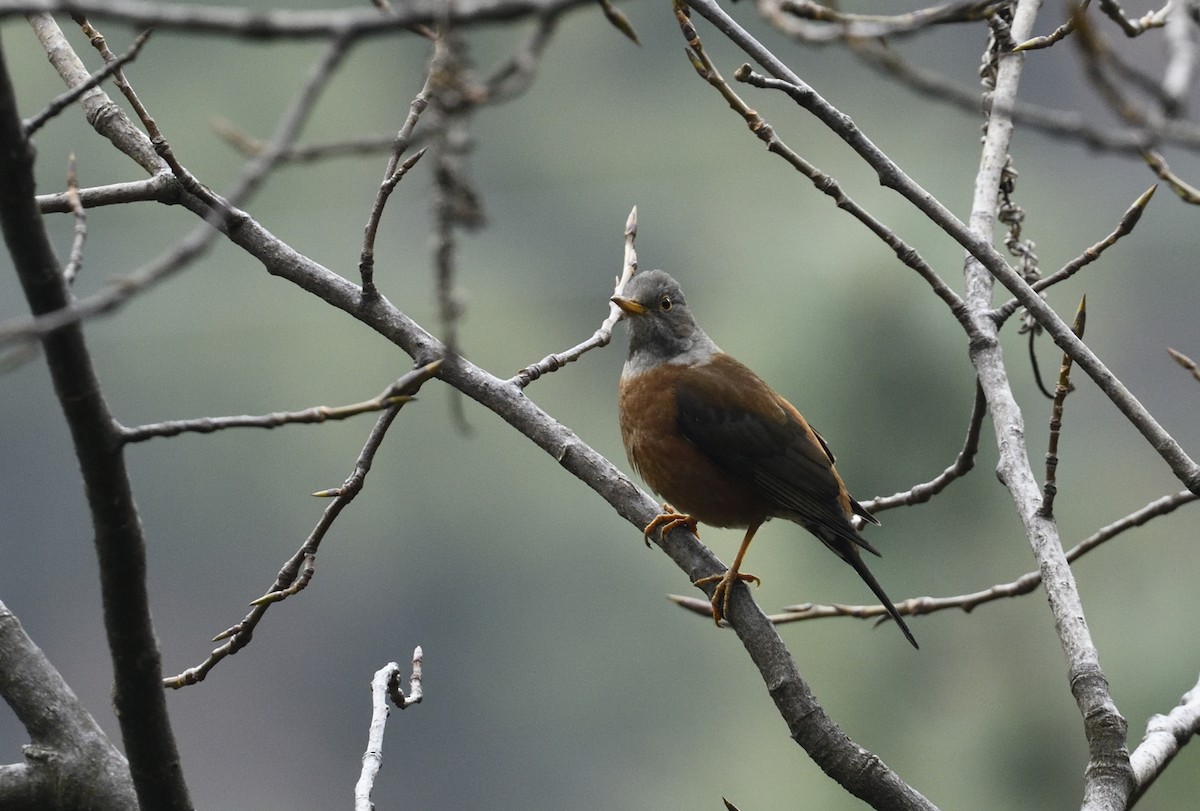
{"x":669,"y":519}
{"x":720,"y":595}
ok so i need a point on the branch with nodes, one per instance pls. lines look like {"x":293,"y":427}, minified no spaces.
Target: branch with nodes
{"x":1165,"y":736}
{"x":807,"y":721}
{"x":385,"y":686}
{"x":893,"y":177}
{"x":256,"y":24}
{"x":65,"y":100}
{"x":1125,"y":226}
{"x":299,"y":569}
{"x":602,"y":336}
{"x":119,"y":542}
{"x":814,"y":23}
{"x":963,"y":463}
{"x":392,"y":175}
{"x":707,"y":70}
{"x":919,"y":606}
{"x":391,"y":396}
{"x":164,"y":186}
{"x":1050,"y":488}
{"x":1184,"y":361}
{"x":69,"y":761}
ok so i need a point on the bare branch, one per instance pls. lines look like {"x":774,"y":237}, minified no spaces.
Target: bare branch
{"x":1124,"y":227}
{"x":833,"y":25}
{"x":75,"y":258}
{"x":1183,"y":190}
{"x":1050,"y":488}
{"x":1184,"y":361}
{"x":1132,"y":28}
{"x":298,"y":571}
{"x":119,"y":540}
{"x":385,"y":685}
{"x":105,"y":116}
{"x":317,"y":414}
{"x":1165,"y":736}
{"x":292,"y":121}
{"x":963,"y":463}
{"x":455,"y":203}
{"x":603,"y":335}
{"x":162,"y":188}
{"x":256,"y":24}
{"x":69,"y":762}
{"x":891,"y":176}
{"x":73,"y":95}
{"x":704,"y":66}
{"x":619,"y":21}
{"x":1058,"y":33}
{"x":1060,"y":123}
{"x":392,"y":175}
{"x":918,"y":606}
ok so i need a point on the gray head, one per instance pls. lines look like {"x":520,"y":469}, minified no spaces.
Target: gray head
{"x":661,"y":327}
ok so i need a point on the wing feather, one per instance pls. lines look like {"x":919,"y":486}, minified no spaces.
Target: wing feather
{"x":757,"y":436}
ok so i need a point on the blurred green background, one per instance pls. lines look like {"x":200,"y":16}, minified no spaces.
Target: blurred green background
{"x":557,"y":675}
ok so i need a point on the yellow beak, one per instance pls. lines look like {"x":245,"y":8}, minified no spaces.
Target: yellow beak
{"x":628,"y":305}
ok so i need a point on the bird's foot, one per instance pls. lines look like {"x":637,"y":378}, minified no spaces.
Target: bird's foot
{"x":669,"y":519}
{"x":720,"y":595}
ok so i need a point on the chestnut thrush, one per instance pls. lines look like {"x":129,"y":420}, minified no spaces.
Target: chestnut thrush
{"x":714,"y":440}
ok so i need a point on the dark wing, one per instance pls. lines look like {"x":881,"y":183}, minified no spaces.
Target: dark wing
{"x":735,"y":419}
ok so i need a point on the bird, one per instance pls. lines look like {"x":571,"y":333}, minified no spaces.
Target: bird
{"x":720,"y":445}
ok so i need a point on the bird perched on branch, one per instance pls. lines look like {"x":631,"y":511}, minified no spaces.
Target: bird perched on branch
{"x":718,"y":443}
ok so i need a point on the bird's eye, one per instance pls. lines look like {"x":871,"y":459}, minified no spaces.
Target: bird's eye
{"x":664,"y":304}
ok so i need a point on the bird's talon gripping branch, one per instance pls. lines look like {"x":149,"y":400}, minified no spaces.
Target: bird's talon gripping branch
{"x":668,"y":520}
{"x":720,"y":595}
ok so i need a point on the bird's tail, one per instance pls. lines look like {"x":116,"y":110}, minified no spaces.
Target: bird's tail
{"x":850,"y":554}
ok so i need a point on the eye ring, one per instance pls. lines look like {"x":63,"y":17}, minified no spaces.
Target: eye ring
{"x":664,"y":304}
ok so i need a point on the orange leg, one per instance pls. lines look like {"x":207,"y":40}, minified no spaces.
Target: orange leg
{"x":669,"y":519}
{"x":720,"y":597}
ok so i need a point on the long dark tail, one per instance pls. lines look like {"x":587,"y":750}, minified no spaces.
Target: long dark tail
{"x":850,"y":554}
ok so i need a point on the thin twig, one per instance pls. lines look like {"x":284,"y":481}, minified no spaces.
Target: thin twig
{"x":1124,"y":227}
{"x":917,"y":606}
{"x":385,"y":685}
{"x":298,"y":570}
{"x":963,"y":463}
{"x":603,"y":335}
{"x":1183,"y":190}
{"x":166,"y":187}
{"x":75,"y":258}
{"x":161,"y":146}
{"x":1131,"y":27}
{"x":619,"y":21}
{"x":287,"y":131}
{"x":1165,"y":736}
{"x":259,"y":24}
{"x":1050,"y":488}
{"x":507,"y":81}
{"x":793,"y":16}
{"x":455,"y":203}
{"x":1184,"y":361}
{"x":315,"y":414}
{"x":707,"y":70}
{"x":1057,"y":34}
{"x":161,"y":188}
{"x":65,"y":100}
{"x":1068,"y":124}
{"x":391,"y":176}
{"x":893,"y":177}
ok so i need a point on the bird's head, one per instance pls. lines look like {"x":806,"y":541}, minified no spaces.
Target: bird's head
{"x":661,"y":327}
